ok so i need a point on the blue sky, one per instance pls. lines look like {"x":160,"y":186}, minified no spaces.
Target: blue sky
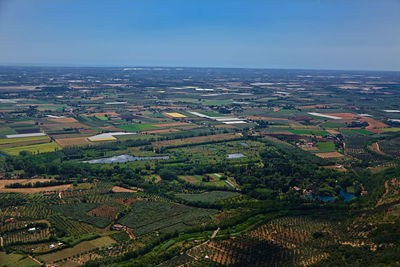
{"x":316,"y":34}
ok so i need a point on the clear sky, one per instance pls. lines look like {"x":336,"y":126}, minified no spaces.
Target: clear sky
{"x":317,"y":34}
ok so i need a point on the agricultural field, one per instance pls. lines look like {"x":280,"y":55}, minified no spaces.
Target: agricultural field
{"x":209,"y":197}
{"x":163,"y":217}
{"x":16,"y":260}
{"x":221,"y":167}
{"x":136,"y":127}
{"x":88,"y":213}
{"x":326,"y":146}
{"x":34,"y":149}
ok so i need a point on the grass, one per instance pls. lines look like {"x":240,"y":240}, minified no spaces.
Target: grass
{"x":103,"y":118}
{"x":198,"y":180}
{"x":14,"y":260}
{"x":34,"y":149}
{"x":22,"y":139}
{"x":136,"y":127}
{"x":120,"y":237}
{"x":6,"y":130}
{"x":356,"y":132}
{"x":332,"y":125}
{"x":310,"y":132}
{"x":208,"y":197}
{"x":80,"y":248}
{"x":326,"y":146}
{"x":390,"y":129}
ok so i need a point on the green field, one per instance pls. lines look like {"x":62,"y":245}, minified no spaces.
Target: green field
{"x":332,"y":125}
{"x":34,"y":149}
{"x":136,"y":127}
{"x":149,"y":216}
{"x":310,"y":132}
{"x":16,"y":260}
{"x":394,"y":129}
{"x":6,"y":130}
{"x":79,"y":212}
{"x":4,"y":141}
{"x":356,"y":132}
{"x":208,"y":197}
{"x":103,"y":118}
{"x":80,"y":248}
{"x":198,"y":180}
{"x":211,"y":113}
{"x":326,"y":146}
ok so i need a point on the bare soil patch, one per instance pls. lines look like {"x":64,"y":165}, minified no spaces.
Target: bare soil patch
{"x":329,"y":155}
{"x":104,"y":212}
{"x":119,"y":189}
{"x":72,"y":141}
{"x":36,"y":189}
{"x":62,"y":120}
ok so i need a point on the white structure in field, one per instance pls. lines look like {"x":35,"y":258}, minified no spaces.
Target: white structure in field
{"x":24,"y":135}
{"x":225,"y":120}
{"x":108,"y":136}
{"x":325,"y":116}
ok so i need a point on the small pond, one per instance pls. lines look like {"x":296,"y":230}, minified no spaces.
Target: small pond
{"x":346,"y":197}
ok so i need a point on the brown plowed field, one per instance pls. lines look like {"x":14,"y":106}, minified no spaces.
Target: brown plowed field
{"x":3,"y":183}
{"x":72,"y":141}
{"x":118,"y":189}
{"x":104,"y":212}
{"x":329,"y":155}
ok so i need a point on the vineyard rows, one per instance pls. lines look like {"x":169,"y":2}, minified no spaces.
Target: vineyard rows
{"x":25,"y":237}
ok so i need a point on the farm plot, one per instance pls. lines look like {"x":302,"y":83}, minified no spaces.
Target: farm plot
{"x":78,"y":249}
{"x":80,"y":212}
{"x":25,"y":236}
{"x":136,"y":127}
{"x":70,"y":227}
{"x":24,"y":140}
{"x":174,"y":115}
{"x":390,"y":147}
{"x":209,"y":197}
{"x":195,"y":140}
{"x":74,"y":141}
{"x":286,"y":241}
{"x":16,"y":260}
{"x":205,"y":180}
{"x":6,"y":131}
{"x":34,"y":149}
{"x":149,"y":216}
{"x":309,"y":132}
{"x":353,"y":132}
{"x":104,"y":212}
{"x":326,"y":146}
{"x":329,"y":155}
